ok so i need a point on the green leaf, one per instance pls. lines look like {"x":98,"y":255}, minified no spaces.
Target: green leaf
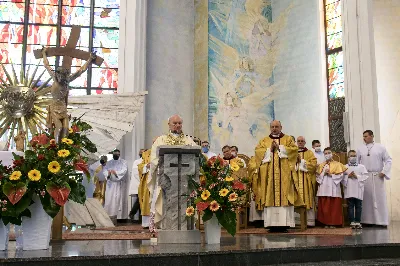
{"x":49,"y":205}
{"x":30,"y":153}
{"x":23,"y":204}
{"x":207,"y":215}
{"x":78,"y":193}
{"x":26,"y":213}
{"x":228,"y":221}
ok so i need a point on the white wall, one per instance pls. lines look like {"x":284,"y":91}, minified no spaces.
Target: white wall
{"x":301,"y":100}
{"x":387,"y":38}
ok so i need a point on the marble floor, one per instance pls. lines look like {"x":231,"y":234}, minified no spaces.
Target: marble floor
{"x":240,"y":243}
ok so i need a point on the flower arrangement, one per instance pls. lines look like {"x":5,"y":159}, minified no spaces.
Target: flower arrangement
{"x":49,"y":170}
{"x":218,"y":192}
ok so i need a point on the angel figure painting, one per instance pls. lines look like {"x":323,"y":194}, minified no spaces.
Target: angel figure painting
{"x":244,"y":47}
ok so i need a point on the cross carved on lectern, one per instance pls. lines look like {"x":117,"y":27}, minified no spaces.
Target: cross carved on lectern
{"x":179,"y":165}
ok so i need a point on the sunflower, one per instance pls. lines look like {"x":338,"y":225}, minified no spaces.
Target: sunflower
{"x":67,"y":141}
{"x":214,"y":206}
{"x":54,"y":167}
{"x":229,"y":179}
{"x":15,"y":175}
{"x":190,"y":211}
{"x":63,"y":153}
{"x":205,"y":194}
{"x":53,"y":142}
{"x":234,"y":166}
{"x":223,"y":192}
{"x":70,"y":131}
{"x":34,"y":175}
{"x":233,"y":196}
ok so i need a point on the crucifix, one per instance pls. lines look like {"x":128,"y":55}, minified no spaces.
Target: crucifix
{"x":57,"y":109}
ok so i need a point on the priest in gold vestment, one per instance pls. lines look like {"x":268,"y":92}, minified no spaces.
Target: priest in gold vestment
{"x":306,"y":166}
{"x":100,"y":181}
{"x":174,"y":137}
{"x":143,"y":192}
{"x":275,"y":180}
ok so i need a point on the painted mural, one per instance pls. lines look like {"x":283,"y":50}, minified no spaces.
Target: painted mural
{"x":243,"y":49}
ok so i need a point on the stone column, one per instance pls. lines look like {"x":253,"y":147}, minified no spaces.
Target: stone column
{"x":360,"y":71}
{"x":132,"y":67}
{"x":132,"y":70}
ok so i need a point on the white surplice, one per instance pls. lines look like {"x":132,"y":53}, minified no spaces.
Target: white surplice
{"x":320,"y":156}
{"x":375,"y":210}
{"x":354,"y":187}
{"x":116,"y":202}
{"x":329,"y":186}
{"x":209,"y":154}
{"x":135,"y":178}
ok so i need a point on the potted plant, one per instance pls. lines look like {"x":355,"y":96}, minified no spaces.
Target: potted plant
{"x":217,"y":196}
{"x":42,"y":181}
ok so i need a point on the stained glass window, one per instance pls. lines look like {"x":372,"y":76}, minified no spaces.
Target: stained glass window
{"x":335,"y":74}
{"x":334,"y":50}
{"x":48,"y":23}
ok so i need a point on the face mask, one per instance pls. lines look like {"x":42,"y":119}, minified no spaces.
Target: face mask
{"x":234,"y":154}
{"x":328,"y":156}
{"x":115,"y":156}
{"x":318,"y":149}
{"x":205,"y":149}
{"x":353,"y":160}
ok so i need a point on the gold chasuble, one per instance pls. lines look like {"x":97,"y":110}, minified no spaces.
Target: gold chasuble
{"x":273,"y":174}
{"x":100,"y":187}
{"x":307,"y":179}
{"x":144,"y":193}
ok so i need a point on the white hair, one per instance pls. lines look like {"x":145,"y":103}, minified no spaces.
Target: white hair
{"x":169,"y":119}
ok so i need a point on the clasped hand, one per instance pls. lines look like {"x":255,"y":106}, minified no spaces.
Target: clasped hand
{"x":112,"y":172}
{"x":274,"y":146}
{"x":352,"y":175}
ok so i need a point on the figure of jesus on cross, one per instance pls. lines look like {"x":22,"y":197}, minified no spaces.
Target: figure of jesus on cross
{"x":57,"y":109}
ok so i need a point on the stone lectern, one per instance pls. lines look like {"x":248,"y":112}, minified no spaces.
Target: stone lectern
{"x":175,"y":166}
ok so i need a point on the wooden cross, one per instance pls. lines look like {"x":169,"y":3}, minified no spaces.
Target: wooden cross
{"x":69,"y":51}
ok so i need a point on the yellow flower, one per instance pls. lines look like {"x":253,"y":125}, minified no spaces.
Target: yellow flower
{"x":190,"y":211}
{"x":234,"y":166}
{"x":34,"y":175}
{"x":54,"y":167}
{"x":229,"y":179}
{"x":63,"y":153}
{"x":223,"y":192}
{"x":15,"y":175}
{"x":214,"y":206}
{"x":205,"y":194}
{"x":233,"y":196}
{"x":70,"y":131}
{"x":67,"y":141}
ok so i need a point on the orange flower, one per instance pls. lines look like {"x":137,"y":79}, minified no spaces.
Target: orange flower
{"x":233,"y":196}
{"x":214,"y":206}
{"x":190,"y":211}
